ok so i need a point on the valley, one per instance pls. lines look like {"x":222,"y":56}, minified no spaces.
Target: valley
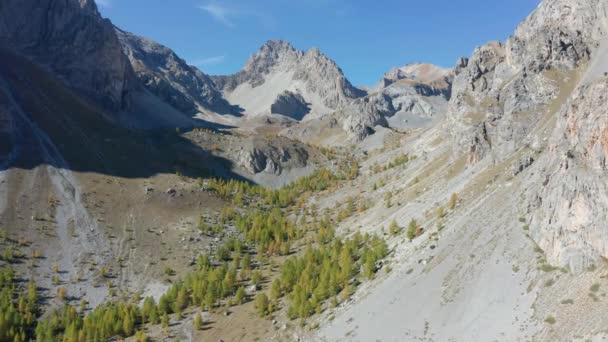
{"x":142,"y":199}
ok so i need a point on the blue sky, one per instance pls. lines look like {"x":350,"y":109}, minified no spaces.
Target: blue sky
{"x":365,"y":38}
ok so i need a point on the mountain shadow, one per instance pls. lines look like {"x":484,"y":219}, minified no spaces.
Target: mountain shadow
{"x":43,"y":122}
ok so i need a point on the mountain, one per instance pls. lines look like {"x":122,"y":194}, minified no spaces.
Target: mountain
{"x":170,"y":78}
{"x":419,"y":94}
{"x":507,"y":97}
{"x":431,"y":78}
{"x":448,"y":204}
{"x":93,"y":139}
{"x":74,"y":42}
{"x":524,"y":143}
{"x":311,"y":79}
{"x":411,"y":96}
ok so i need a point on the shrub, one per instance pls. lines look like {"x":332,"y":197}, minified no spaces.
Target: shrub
{"x":594,"y":288}
{"x":3,"y":235}
{"x":164,"y":321}
{"x":275,"y":290}
{"x":440,"y":212}
{"x":169,"y":271}
{"x":256,"y":278}
{"x":140,"y":336}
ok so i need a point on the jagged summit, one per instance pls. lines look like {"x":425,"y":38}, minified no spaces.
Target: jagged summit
{"x":273,"y":52}
{"x":278,"y":67}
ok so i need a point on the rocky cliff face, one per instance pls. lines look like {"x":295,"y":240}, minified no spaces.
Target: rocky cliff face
{"x":170,"y":78}
{"x":498,"y":92}
{"x":278,"y":67}
{"x":71,"y":38}
{"x":568,"y":204}
{"x":271,"y":159}
{"x":540,"y":97}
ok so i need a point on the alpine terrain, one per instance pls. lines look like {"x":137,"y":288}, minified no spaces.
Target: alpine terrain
{"x":142,"y":199}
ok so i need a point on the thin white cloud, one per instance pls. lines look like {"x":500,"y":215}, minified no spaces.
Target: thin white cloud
{"x":209,"y":61}
{"x":227,"y":14}
{"x":220,"y":13}
{"x":104,"y":3}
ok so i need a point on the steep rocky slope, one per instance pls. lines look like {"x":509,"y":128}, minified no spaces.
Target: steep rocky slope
{"x":568,"y":213}
{"x":523,"y":253}
{"x":531,"y":95}
{"x":499,"y":90}
{"x":170,"y":78}
{"x":278,"y":67}
{"x":75,"y":42}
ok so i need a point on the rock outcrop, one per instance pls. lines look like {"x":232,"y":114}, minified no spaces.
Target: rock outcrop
{"x":75,"y":42}
{"x":272,"y":159}
{"x":170,"y":78}
{"x":278,"y":67}
{"x":360,"y":117}
{"x":499,"y":92}
{"x":291,"y":105}
{"x":540,"y":98}
{"x":569,"y":189}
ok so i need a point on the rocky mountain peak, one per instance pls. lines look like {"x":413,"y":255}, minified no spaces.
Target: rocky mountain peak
{"x":272,"y":53}
{"x":317,"y":59}
{"x":316,"y":53}
{"x":277,"y":45}
{"x":411,"y":96}
{"x":278,"y":67}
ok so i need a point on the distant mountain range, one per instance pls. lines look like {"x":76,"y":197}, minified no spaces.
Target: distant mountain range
{"x":124,"y":73}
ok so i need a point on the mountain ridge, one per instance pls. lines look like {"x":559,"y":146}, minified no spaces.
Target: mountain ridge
{"x":169,"y":77}
{"x":76,"y":43}
{"x":278,"y":66}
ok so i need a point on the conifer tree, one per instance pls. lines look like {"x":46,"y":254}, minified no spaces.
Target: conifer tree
{"x":198,"y":321}
{"x":261,"y":304}
{"x":240,"y":295}
{"x":412,"y":229}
